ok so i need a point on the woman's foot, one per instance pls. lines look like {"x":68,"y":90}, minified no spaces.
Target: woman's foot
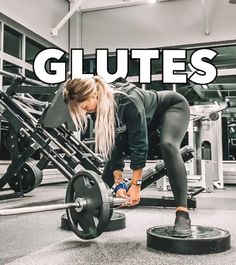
{"x":182,"y":227}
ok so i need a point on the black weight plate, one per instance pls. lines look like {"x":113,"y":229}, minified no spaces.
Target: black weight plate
{"x":94,"y":218}
{"x":37,"y":172}
{"x":204,"y":240}
{"x":65,"y":223}
{"x":117,"y":222}
{"x":31,"y":178}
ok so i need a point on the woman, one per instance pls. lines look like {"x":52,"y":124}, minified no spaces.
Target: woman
{"x":125,"y":116}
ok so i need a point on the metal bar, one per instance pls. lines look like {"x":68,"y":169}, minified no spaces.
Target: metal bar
{"x":33,"y":121}
{"x":36,"y":209}
{"x":87,"y":142}
{"x":64,"y":169}
{"x":118,"y":202}
{"x":36,"y":89}
{"x":164,"y":202}
{"x":79,"y":203}
{"x":75,"y":7}
{"x":13,"y":106}
{"x":77,"y":142}
{"x":208,"y":115}
{"x":66,"y":151}
{"x":21,"y":78}
{"x":205,"y":18}
{"x":34,"y":102}
{"x":192,"y":194}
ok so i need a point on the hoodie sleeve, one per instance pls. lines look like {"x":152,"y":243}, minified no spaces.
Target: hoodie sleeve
{"x":117,"y":159}
{"x":137,"y":134}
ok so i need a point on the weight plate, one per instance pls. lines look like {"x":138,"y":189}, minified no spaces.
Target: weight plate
{"x":204,"y":240}
{"x":65,"y":223}
{"x":38,"y":173}
{"x":31,"y":178}
{"x":117,"y":222}
{"x":95,"y":216}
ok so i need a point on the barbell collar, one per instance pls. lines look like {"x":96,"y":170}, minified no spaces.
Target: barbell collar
{"x":118,"y":202}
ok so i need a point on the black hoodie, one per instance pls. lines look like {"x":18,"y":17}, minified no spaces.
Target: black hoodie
{"x":135,"y":110}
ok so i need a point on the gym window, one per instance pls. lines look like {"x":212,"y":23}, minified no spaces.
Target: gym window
{"x":32,"y":48}
{"x":12,"y":42}
{"x":30,"y":74}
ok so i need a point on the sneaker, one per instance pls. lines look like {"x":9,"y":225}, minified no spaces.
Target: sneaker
{"x":182,"y":227}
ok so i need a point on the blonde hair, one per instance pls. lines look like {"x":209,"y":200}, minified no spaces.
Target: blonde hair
{"x":80,"y":89}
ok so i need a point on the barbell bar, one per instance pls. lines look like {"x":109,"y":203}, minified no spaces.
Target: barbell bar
{"x":79,"y":205}
{"x":36,"y":209}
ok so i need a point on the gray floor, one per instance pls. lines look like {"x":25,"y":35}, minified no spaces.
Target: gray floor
{"x":38,"y":239}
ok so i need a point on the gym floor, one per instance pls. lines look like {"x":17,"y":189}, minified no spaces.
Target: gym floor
{"x":38,"y":239}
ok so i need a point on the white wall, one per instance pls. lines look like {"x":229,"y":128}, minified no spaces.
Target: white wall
{"x":39,"y":17}
{"x":158,"y":25}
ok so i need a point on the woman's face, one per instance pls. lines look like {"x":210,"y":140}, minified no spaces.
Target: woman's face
{"x":89,"y":105}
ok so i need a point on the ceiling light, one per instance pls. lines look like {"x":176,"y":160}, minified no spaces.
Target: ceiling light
{"x":151,"y":1}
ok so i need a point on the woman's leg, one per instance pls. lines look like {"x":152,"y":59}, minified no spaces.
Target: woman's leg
{"x":174,"y":124}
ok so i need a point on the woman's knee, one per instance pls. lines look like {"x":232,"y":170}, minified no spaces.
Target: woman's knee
{"x":185,"y":106}
{"x":169,"y":147}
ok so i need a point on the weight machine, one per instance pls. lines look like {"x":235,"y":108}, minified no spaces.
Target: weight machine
{"x":29,"y":121}
{"x":56,"y":145}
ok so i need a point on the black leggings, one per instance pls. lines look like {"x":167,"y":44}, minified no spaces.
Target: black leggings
{"x":172,"y":118}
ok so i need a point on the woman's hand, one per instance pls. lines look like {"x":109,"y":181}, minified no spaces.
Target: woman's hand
{"x":134,"y":190}
{"x":121,"y":193}
{"x":134,"y":195}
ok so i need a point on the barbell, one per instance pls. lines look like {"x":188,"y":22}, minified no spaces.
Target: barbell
{"x":88,"y":203}
{"x":213,"y":115}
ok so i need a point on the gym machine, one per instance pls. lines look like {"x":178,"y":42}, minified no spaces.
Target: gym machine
{"x":56,"y":145}
{"x":23,"y":175}
{"x":205,"y":135}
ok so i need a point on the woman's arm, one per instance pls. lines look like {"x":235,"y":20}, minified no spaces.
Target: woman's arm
{"x":135,"y":188}
{"x":137,"y":175}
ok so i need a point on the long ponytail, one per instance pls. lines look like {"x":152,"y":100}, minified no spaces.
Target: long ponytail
{"x":78,"y":90}
{"x":105,"y":119}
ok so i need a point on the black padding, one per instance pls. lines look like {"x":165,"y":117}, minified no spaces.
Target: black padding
{"x":58,"y":113}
